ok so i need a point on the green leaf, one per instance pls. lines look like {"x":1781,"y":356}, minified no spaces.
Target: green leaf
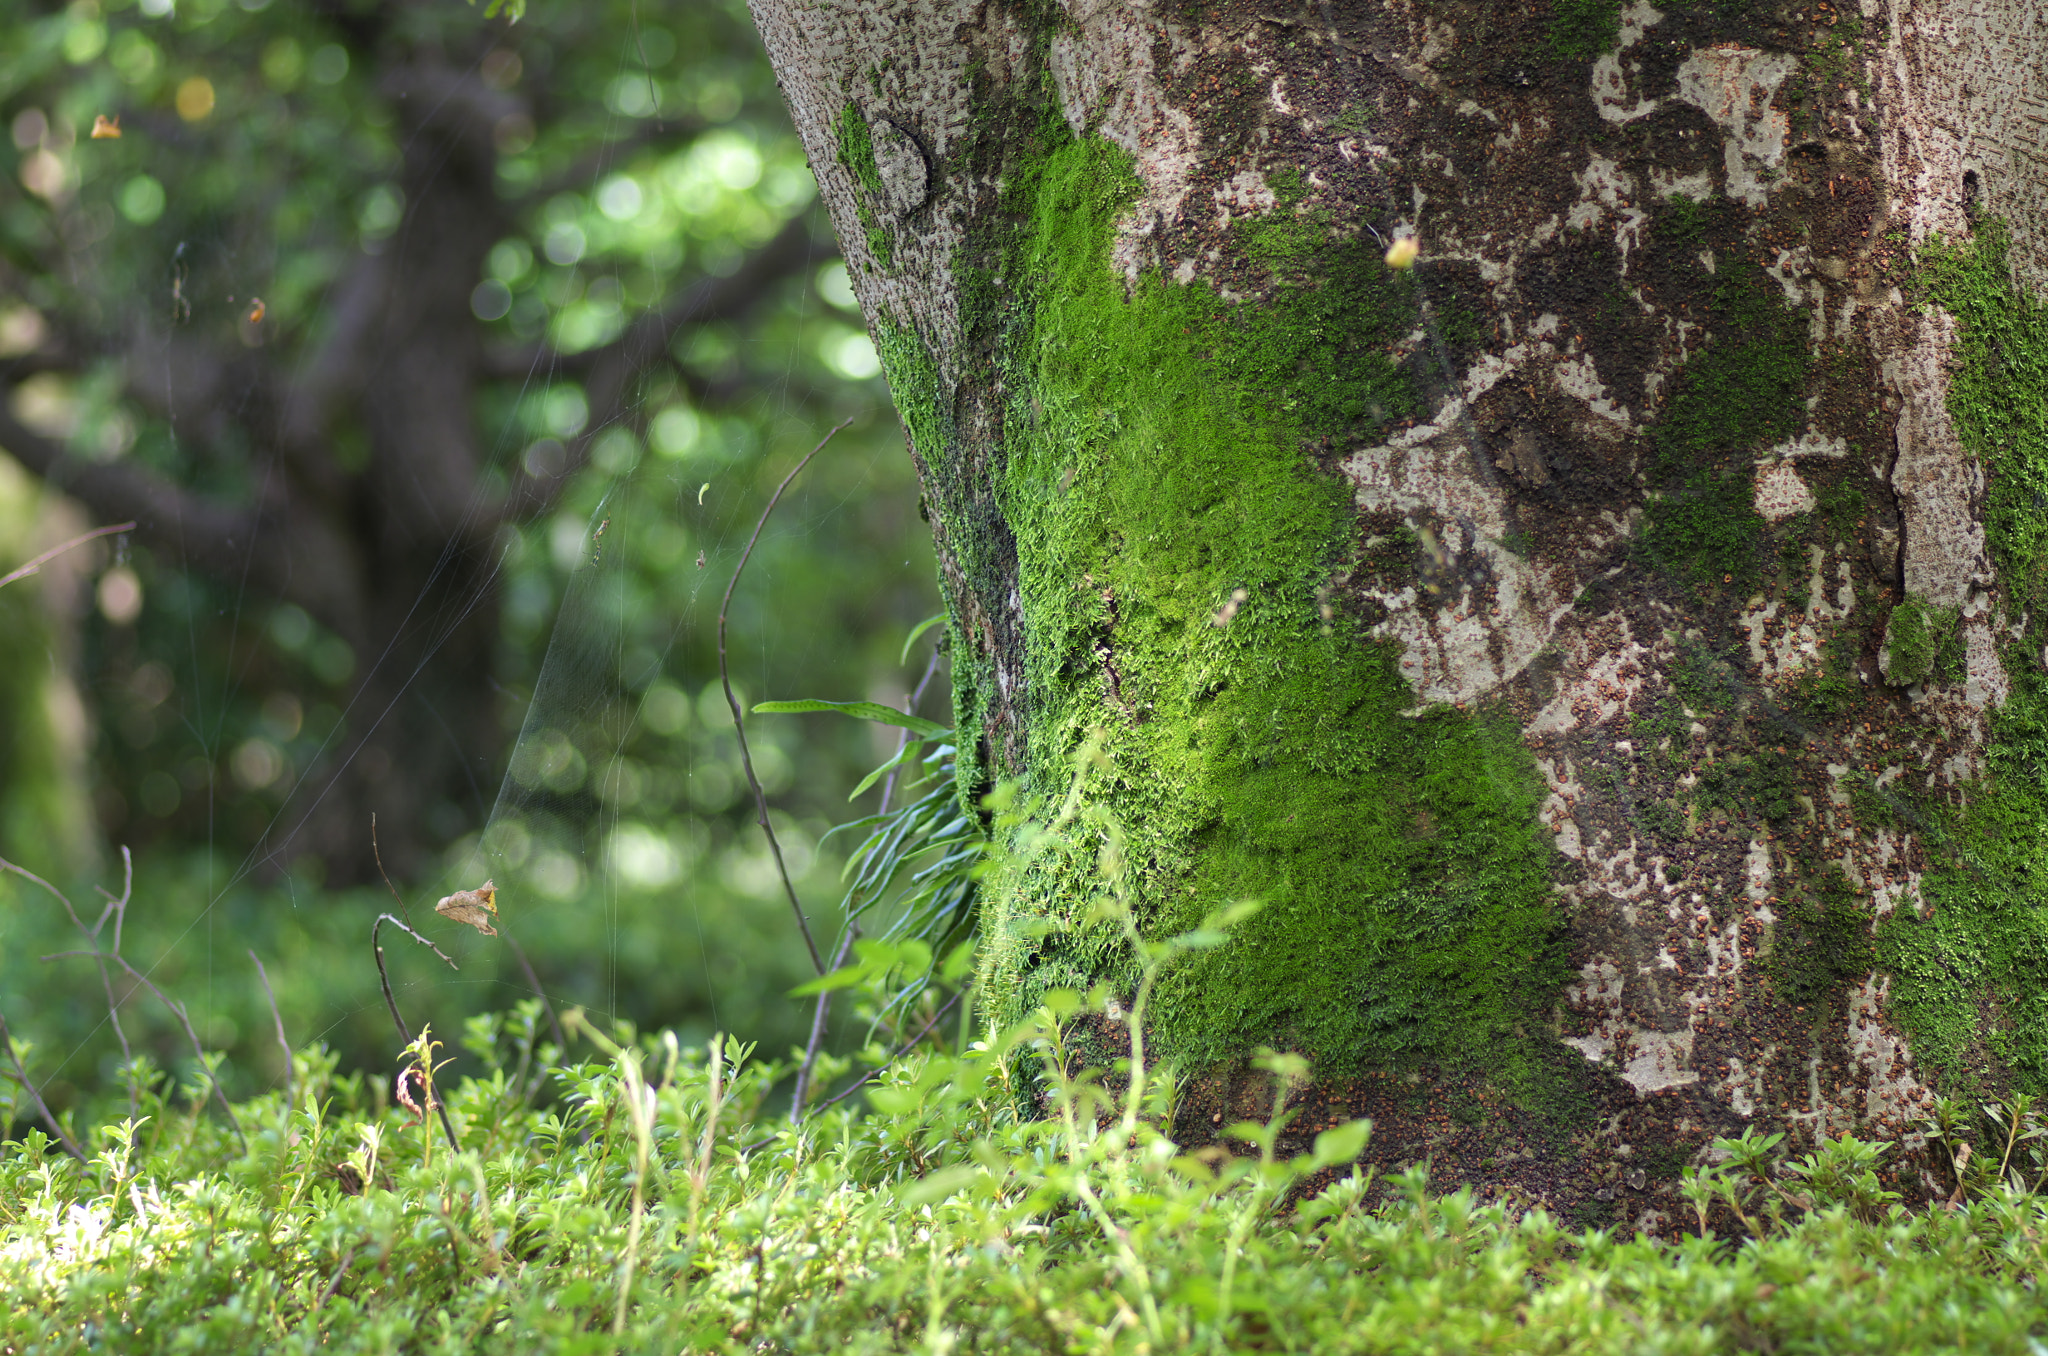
{"x":907,"y":754}
{"x":935,"y":1187}
{"x":843,"y":978}
{"x":862,"y":710}
{"x":1341,"y":1144}
{"x":927,"y":624}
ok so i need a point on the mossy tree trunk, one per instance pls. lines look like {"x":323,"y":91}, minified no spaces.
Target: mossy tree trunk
{"x":1612,"y":650}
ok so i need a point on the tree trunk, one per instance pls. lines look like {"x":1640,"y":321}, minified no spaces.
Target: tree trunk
{"x":1609,"y":650}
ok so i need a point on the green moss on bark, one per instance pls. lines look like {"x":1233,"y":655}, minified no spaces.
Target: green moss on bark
{"x":1920,"y":641}
{"x":857,"y":154}
{"x":1745,"y":390}
{"x":1971,"y":976}
{"x":1175,"y":547}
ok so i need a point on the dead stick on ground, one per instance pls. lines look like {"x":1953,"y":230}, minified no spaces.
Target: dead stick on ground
{"x":738,"y":719}
{"x":46,"y":557}
{"x":92,"y":934}
{"x":900,"y":1052}
{"x":35,"y":1094}
{"x":404,"y":1031}
{"x":177,"y":1010}
{"x":290,"y":1080}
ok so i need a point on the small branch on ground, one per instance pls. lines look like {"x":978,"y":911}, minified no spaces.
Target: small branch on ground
{"x":36,"y":1095}
{"x":290,"y":1080}
{"x":519,"y":954}
{"x":383,"y":978}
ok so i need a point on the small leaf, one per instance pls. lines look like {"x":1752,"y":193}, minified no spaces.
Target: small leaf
{"x":862,"y":710}
{"x":844,"y":978}
{"x":927,"y":624}
{"x":1341,"y":1143}
{"x":935,"y":1187}
{"x":907,"y":754}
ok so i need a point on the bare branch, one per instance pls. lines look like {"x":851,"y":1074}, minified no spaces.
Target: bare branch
{"x":820,"y":1014}
{"x":739,"y":718}
{"x":519,"y":953}
{"x":608,"y":370}
{"x":177,"y":1010}
{"x":209,"y":535}
{"x":851,"y":930}
{"x":46,"y":557}
{"x":290,"y":1080}
{"x":35,"y":1093}
{"x":405,"y":1032}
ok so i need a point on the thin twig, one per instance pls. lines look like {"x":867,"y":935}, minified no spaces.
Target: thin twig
{"x":738,"y":719}
{"x":290,"y":1076}
{"x":903,"y":736}
{"x":822,"y":1013}
{"x":21,"y":1075}
{"x":335,"y":1283}
{"x":519,"y":954}
{"x":92,"y":934}
{"x":900,"y":1052}
{"x":177,"y":1010}
{"x":404,"y":1031}
{"x":46,"y":557}
{"x":819,"y":1016}
{"x":387,"y":879}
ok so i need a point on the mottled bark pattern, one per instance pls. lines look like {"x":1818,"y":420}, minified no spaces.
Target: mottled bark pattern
{"x":1593,"y":228}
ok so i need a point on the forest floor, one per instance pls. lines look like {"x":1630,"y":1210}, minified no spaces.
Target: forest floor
{"x":649,"y":1198}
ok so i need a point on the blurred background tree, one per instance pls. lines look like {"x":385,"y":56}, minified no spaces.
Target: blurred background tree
{"x":366,"y":316}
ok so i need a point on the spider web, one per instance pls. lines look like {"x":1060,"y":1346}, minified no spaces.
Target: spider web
{"x":572,"y":864}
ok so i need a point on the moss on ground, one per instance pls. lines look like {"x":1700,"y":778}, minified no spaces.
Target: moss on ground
{"x":1971,"y":976}
{"x":1258,"y":748}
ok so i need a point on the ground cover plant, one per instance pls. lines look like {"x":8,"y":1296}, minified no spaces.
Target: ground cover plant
{"x":592,"y":1188}
{"x":648,"y":1196}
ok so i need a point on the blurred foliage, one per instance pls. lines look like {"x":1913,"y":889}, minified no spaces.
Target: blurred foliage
{"x":257,"y":158}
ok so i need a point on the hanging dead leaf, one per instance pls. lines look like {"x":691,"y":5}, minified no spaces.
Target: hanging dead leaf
{"x":475,"y":907}
{"x":104,"y":127}
{"x":349,"y":1178}
{"x":402,"y":1089}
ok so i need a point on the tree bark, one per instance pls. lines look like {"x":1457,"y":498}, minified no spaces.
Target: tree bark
{"x":1610,"y":650}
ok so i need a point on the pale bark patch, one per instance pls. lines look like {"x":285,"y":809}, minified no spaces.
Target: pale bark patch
{"x":1735,"y":86}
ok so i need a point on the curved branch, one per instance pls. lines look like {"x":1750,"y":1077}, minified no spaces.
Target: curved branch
{"x":207,"y":534}
{"x":608,"y":370}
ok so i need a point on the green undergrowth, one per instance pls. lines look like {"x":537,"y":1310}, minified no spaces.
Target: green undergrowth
{"x":1175,"y":545}
{"x":644,"y":1199}
{"x":1971,"y":977}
